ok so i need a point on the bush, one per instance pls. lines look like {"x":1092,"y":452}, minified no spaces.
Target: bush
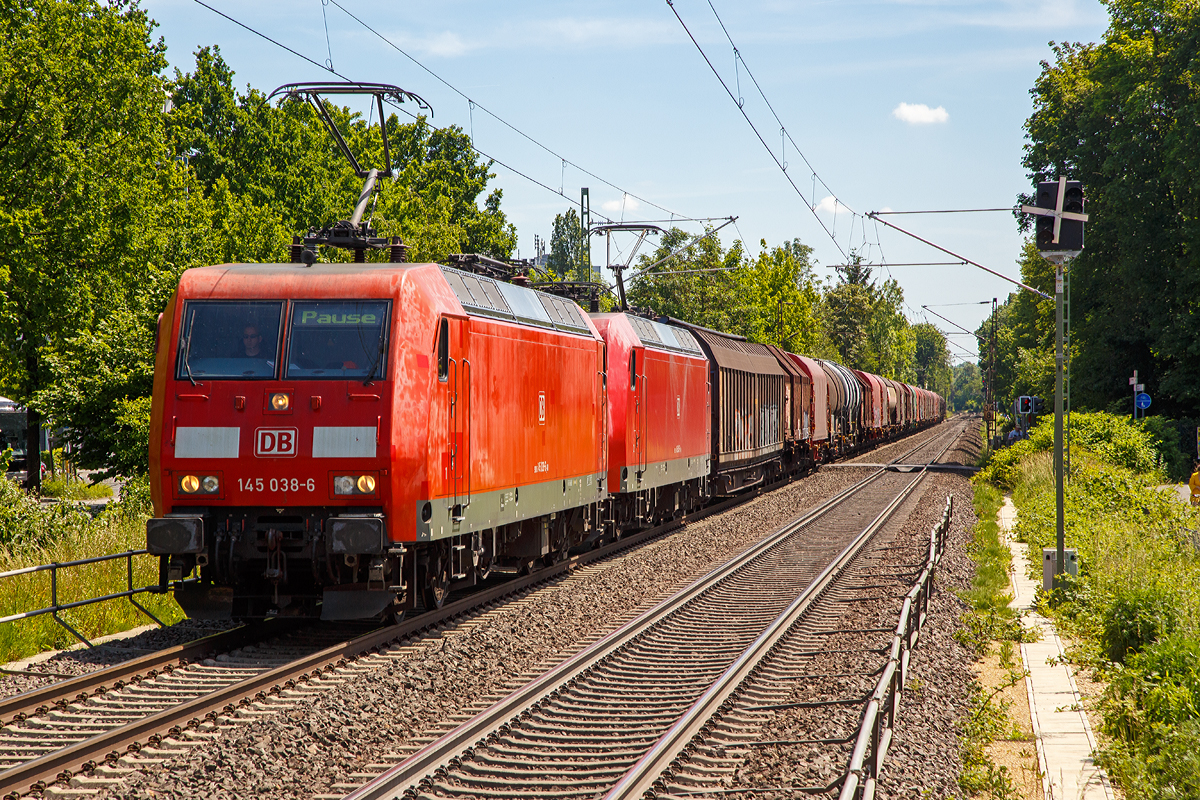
{"x":1138,"y":616}
{"x":32,"y":534}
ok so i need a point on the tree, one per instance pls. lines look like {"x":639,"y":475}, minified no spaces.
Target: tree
{"x":866,"y":323}
{"x":787,"y":298}
{"x":81,"y":160}
{"x":714,"y":289}
{"x":566,"y":246}
{"x":1121,"y":116}
{"x":280,"y":158}
{"x":967,"y":394}
{"x":932,"y":358}
{"x":1024,"y":331}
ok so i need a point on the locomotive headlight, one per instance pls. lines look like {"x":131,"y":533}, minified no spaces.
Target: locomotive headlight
{"x":211,"y":484}
{"x":343,"y":484}
{"x":280,"y":401}
{"x":366,"y":484}
{"x":189,"y":484}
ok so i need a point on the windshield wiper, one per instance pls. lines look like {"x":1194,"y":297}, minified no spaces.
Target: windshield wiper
{"x":187,"y":349}
{"x":375,"y":363}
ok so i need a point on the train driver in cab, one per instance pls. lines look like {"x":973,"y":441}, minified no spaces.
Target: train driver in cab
{"x":252,"y":342}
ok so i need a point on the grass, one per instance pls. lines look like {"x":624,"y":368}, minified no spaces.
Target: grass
{"x":1135,"y":607}
{"x":988,"y":620}
{"x":67,"y":489}
{"x":32,"y":534}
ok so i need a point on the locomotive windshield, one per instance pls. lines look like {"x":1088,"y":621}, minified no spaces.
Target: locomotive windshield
{"x":229,"y":339}
{"x":338,"y":339}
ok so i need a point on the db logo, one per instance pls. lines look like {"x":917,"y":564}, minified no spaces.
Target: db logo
{"x":275,"y":442}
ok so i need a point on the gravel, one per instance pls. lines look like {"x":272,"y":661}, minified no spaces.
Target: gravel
{"x":51,"y":667}
{"x":307,"y":746}
{"x":923,"y":760}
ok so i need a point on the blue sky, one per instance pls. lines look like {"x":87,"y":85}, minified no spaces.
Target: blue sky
{"x":897,"y":104}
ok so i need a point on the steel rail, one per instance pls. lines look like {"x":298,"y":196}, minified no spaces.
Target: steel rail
{"x":641,"y":778}
{"x":874,"y":736}
{"x":461,"y":742}
{"x":20,"y":706}
{"x":35,"y":774}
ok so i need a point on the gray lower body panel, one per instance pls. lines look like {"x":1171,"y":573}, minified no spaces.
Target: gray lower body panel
{"x":505,"y":506}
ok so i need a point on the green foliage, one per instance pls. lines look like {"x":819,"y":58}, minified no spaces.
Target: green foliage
{"x":68,"y":489}
{"x":566,"y":247}
{"x":1121,"y":116}
{"x":33,"y":534}
{"x":775,"y":298}
{"x":967,"y":394}
{"x":1134,"y":606}
{"x":1137,"y":616}
{"x":82,"y":161}
{"x":987,"y":722}
{"x":1113,"y":439}
{"x":107,"y":196}
{"x":1023,"y":326}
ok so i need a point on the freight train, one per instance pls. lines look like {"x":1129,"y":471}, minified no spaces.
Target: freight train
{"x":344,"y":440}
{"x":353,"y":440}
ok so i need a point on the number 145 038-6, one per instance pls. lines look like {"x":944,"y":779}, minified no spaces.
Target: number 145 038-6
{"x":276,"y":484}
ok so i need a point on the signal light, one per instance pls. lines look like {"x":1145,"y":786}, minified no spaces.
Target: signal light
{"x":1038,"y":405}
{"x":189,"y":484}
{"x":366,"y":484}
{"x":1024,"y":404}
{"x":280,"y":401}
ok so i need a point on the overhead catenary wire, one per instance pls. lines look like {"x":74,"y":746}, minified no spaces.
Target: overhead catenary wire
{"x":682,"y":247}
{"x":474,"y":104}
{"x":963,"y":258}
{"x":753,"y":127}
{"x":786,"y":136}
{"x":405,"y":111}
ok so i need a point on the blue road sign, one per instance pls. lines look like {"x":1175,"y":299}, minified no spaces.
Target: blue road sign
{"x":1142,"y":401}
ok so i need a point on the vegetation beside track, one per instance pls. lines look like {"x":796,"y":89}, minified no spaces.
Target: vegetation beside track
{"x":1134,"y":610}
{"x":32,"y":533}
{"x":989,"y":625}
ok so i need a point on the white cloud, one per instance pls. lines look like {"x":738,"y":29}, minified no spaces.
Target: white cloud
{"x":830,"y":205}
{"x":624,"y":205}
{"x":920,"y":114}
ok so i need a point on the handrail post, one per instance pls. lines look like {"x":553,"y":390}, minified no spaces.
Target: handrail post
{"x":136,"y":604}
{"x":55,"y":606}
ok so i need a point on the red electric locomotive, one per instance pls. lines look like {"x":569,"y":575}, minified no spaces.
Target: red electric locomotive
{"x":659,"y":418}
{"x":338,"y":439}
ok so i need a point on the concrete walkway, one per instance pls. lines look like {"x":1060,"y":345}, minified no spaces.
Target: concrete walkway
{"x":1064,"y":737}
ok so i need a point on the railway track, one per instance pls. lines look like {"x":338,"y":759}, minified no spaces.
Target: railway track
{"x":60,"y":731}
{"x":612,"y":718}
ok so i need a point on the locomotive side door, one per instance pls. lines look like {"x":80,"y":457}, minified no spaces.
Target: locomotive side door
{"x":455,"y":373}
{"x":637,"y":390}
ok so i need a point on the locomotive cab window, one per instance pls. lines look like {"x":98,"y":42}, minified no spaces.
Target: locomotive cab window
{"x":236,"y":340}
{"x":443,"y":350}
{"x":333,"y":339}
{"x":633,"y":369}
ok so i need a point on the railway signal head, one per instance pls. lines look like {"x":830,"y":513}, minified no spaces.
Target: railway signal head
{"x":1037,"y":405}
{"x":1024,"y":404}
{"x":1058,"y":226}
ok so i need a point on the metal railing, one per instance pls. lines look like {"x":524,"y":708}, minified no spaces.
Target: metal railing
{"x":56,"y":607}
{"x":879,"y":714}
